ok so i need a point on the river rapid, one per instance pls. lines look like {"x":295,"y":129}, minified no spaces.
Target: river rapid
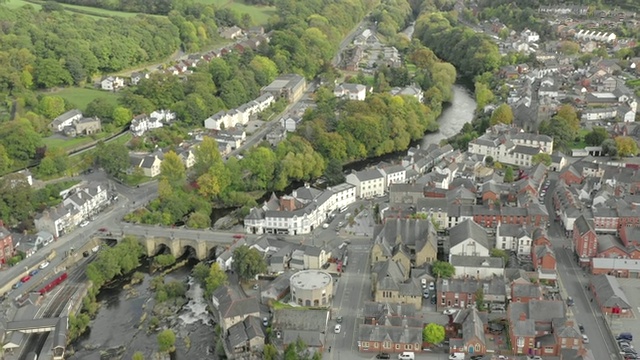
{"x":117,"y":331}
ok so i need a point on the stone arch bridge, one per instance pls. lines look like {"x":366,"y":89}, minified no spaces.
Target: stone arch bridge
{"x":202,"y":249}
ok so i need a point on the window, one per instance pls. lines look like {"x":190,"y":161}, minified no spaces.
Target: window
{"x":408,"y":346}
{"x":520,"y":342}
{"x":397,"y":346}
{"x":365,"y":344}
{"x":477,"y":347}
{"x":386,"y":345}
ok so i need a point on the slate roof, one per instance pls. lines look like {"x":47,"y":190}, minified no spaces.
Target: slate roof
{"x":301,"y":319}
{"x":366,"y":175}
{"x":583,"y":225}
{"x":378,"y":310}
{"x":526,"y":290}
{"x":468,"y":229}
{"x":609,"y":293}
{"x":231,"y":304}
{"x":394,"y":334}
{"x":240,"y":333}
{"x":477,"y":261}
{"x":415,"y":233}
{"x":473,"y":327}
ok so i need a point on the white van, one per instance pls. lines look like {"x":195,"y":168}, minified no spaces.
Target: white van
{"x":407,"y":355}
{"x":456,"y":356}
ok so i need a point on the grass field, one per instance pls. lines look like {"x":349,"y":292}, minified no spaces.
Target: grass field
{"x":259,"y":14}
{"x":80,"y":97}
{"x":85,"y":10}
{"x":14,"y":4}
{"x":65,"y":143}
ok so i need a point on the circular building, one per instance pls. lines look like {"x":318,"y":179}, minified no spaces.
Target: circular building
{"x":311,"y":288}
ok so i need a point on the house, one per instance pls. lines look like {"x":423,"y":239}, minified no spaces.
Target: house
{"x":411,"y":90}
{"x":244,"y":339}
{"x":276,"y":289}
{"x":290,"y":123}
{"x":540,"y":327}
{"x":231,"y":33}
{"x":57,"y":220}
{"x":136,"y":77}
{"x":232,"y":308}
{"x":543,"y":259}
{"x":375,"y":313}
{"x":6,"y":242}
{"x":585,"y":240}
{"x":405,"y":241}
{"x":225,"y":259}
{"x":67,"y":119}
{"x":511,"y":146}
{"x":315,"y":257}
{"x":112,"y":83}
{"x":187,"y":156}
{"x":88,"y":126}
{"x":390,"y":339}
{"x":88,"y":201}
{"x":477,"y":267}
{"x":143,"y":123}
{"x":149,"y":164}
{"x":368,"y":183}
{"x":308,"y":325}
{"x":391,"y":283}
{"x":348,"y":91}
{"x":394,"y":174}
{"x":461,"y":293}
{"x":610,"y":297}
{"x":289,"y":86}
{"x":471,"y":339}
{"x":525,"y":292}
{"x":513,"y":237}
{"x":469,"y":239}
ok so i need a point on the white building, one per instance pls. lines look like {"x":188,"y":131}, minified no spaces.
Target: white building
{"x":368,"y":183}
{"x":592,"y":35}
{"x":112,"y":83}
{"x":299,"y":213}
{"x":512,"y":148}
{"x":143,"y":123}
{"x":348,"y":91}
{"x":410,"y":90}
{"x":395,"y":174}
{"x":513,"y":237}
{"x":67,"y":119}
{"x":477,"y":267}
{"x":241,"y":115}
{"x":468,"y":239}
{"x":530,"y":36}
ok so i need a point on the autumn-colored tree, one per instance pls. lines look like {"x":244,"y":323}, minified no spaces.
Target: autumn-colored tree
{"x":502,"y":115}
{"x":626,"y":145}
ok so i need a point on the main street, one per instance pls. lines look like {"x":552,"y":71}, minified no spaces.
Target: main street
{"x":573,"y":282}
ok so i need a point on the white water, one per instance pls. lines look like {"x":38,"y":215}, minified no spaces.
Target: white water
{"x":196,"y":309}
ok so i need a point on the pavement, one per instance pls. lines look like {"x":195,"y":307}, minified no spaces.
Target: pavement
{"x":573,"y":280}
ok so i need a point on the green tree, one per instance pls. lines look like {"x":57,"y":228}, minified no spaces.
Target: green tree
{"x":570,"y":115}
{"x":51,"y":106}
{"x":626,"y":146}
{"x":100,"y":108}
{"x":610,"y":148}
{"x":166,"y":341}
{"x":541,"y":158}
{"x":199,"y":220}
{"x":270,"y":352}
{"x":442,"y":270}
{"x":433,"y":333}
{"x":484,"y":95}
{"x":495,"y":252}
{"x":5,"y":161}
{"x":509,"y":175}
{"x":502,"y":115}
{"x":121,"y":116}
{"x":200,"y":272}
{"x":248,"y":262}
{"x":569,"y":47}
{"x":138,"y":355}
{"x":164,"y":260}
{"x":113,"y":157}
{"x":216,"y":278}
{"x":50,"y":73}
{"x":596,"y":136}
{"x":206,"y":155}
{"x":480,"y":299}
{"x":264,"y":69}
{"x":19,"y":139}
{"x":172,"y":170}
{"x":333,"y":172}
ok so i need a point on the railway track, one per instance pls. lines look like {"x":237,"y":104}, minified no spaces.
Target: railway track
{"x":35,"y":342}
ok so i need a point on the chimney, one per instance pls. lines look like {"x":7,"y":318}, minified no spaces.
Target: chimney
{"x":523,"y":316}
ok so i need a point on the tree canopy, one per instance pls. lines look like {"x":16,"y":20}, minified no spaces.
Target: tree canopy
{"x":248,"y":262}
{"x":433,"y":333}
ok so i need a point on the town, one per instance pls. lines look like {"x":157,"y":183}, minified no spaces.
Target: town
{"x":249,"y":201}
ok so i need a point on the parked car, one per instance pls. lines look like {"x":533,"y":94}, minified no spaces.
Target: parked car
{"x":25,"y":279}
{"x":337,"y":328}
{"x":449,"y":311}
{"x":17,"y":285}
{"x":625,"y":336}
{"x":585,"y":339}
{"x":33,"y":272}
{"x":432,"y":286}
{"x":581,"y":328}
{"x":339,"y":319}
{"x":383,"y":356}
{"x":44,"y":265}
{"x":84,"y":223}
{"x":570,"y":301}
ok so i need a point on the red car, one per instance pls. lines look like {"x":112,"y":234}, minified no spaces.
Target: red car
{"x":238,"y":236}
{"x":103,"y":229}
{"x":25,"y":279}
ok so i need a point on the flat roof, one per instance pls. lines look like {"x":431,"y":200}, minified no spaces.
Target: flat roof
{"x":48,"y":323}
{"x":310,"y":279}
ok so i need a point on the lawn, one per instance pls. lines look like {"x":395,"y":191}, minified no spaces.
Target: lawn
{"x":580,"y":144}
{"x":88,"y":10}
{"x":69,"y":143}
{"x":14,"y":4}
{"x":259,"y":14}
{"x":80,"y":97}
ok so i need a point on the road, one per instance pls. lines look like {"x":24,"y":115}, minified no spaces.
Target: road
{"x":574,"y":280}
{"x":354,"y":287}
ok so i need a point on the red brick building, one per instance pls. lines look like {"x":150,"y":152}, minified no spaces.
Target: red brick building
{"x":525,"y":292}
{"x":6,"y":244}
{"x":543,"y":257}
{"x":630,"y":235}
{"x":570,"y":176}
{"x":610,"y":297}
{"x":585,"y":239}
